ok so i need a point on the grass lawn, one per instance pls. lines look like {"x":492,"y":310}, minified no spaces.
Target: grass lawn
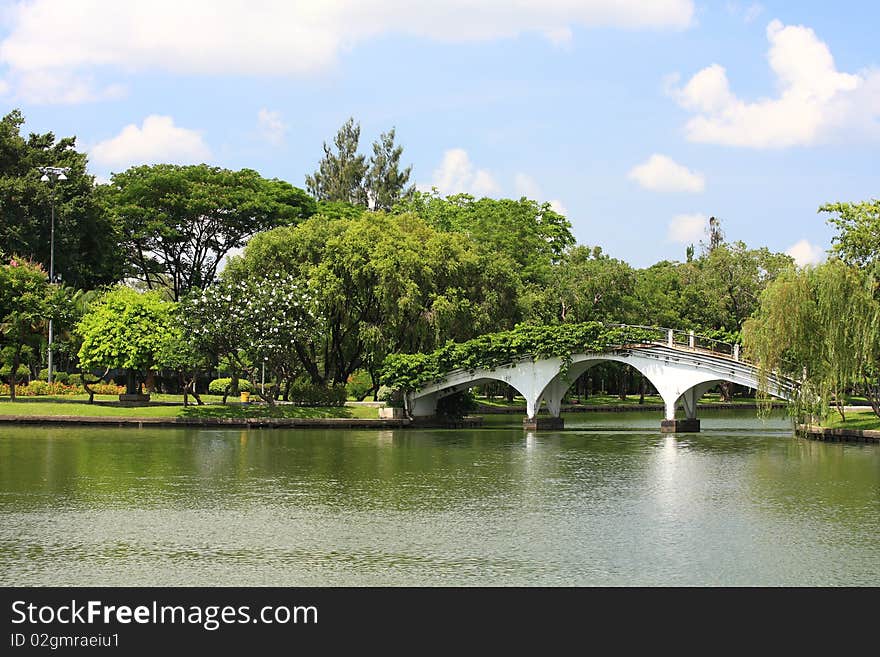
{"x":78,"y":405}
{"x":854,"y":420}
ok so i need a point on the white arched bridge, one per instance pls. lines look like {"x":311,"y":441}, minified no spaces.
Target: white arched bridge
{"x":680,"y":365}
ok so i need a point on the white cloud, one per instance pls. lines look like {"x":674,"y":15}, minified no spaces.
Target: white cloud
{"x":687,"y":228}
{"x":815,"y":99}
{"x":805,"y":253}
{"x":73,"y":40}
{"x":457,"y":174}
{"x":662,"y":174}
{"x":157,"y":140}
{"x":557,"y":206}
{"x":270,"y":126}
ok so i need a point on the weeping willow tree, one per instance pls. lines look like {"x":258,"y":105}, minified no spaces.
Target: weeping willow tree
{"x":821,"y":327}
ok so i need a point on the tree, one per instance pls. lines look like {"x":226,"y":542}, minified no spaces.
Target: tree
{"x":179,"y":222}
{"x":27,"y":301}
{"x":858,"y":238}
{"x":720,"y":289}
{"x":381,"y":284}
{"x":340,"y":175}
{"x":87,"y":252}
{"x":385,"y":182}
{"x":530,"y":234}
{"x":587,"y":285}
{"x":126,"y":329}
{"x":820,"y":326}
{"x":249,"y":322}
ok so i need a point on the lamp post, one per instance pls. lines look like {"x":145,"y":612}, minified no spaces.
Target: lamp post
{"x":52,"y":175}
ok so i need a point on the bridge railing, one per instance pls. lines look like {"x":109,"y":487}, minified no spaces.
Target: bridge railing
{"x":689,"y":339}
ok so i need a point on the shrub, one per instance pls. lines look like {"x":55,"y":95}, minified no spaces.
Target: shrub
{"x":37,"y":388}
{"x":309,"y":394}
{"x":23,"y":372}
{"x":218,"y":386}
{"x":74,"y":379}
{"x":107,"y":388}
{"x":359,"y":385}
{"x":61,"y":376}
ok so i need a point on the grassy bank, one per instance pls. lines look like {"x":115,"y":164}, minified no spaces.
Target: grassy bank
{"x":108,"y":407}
{"x":854,"y":420}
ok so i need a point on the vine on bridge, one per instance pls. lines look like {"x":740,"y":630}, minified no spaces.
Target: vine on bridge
{"x":414,"y":371}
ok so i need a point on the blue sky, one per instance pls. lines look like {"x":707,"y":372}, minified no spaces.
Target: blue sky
{"x":639,"y":119}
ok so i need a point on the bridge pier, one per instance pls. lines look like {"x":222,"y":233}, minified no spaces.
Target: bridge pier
{"x":543,"y":423}
{"x":680,"y":425}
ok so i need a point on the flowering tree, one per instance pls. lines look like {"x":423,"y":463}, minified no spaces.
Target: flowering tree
{"x":250,"y":323}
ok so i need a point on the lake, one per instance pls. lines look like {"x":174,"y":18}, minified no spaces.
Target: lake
{"x":607,"y":501}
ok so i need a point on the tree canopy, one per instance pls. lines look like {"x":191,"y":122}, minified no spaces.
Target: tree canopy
{"x":178,"y":223}
{"x":344,"y":175}
{"x":126,"y":329}
{"x":87,"y":251}
{"x":821,"y":326}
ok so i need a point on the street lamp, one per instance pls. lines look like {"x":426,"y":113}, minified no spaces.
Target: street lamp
{"x":52,"y":175}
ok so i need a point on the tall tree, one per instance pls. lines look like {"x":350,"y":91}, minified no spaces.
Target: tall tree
{"x":179,"y":222}
{"x":531,"y":234}
{"x":381,"y":284}
{"x":820,"y":325}
{"x":87,"y":252}
{"x":385,"y":181}
{"x":587,"y":285}
{"x":340,"y":174}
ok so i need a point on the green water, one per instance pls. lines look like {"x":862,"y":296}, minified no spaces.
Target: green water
{"x":608,"y":501}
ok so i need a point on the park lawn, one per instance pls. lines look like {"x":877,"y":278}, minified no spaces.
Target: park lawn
{"x":854,"y":420}
{"x":40,"y":406}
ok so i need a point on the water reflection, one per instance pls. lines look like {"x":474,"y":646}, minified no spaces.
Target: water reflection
{"x":598,"y":503}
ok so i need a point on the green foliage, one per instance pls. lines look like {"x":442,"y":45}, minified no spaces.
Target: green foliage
{"x":309,"y":394}
{"x":586,"y":285}
{"x":61,"y":377}
{"x":528,"y":235}
{"x":125,"y":329}
{"x":858,"y":239}
{"x":359,"y":385}
{"x":179,"y":222}
{"x":344,"y":177}
{"x":249,"y":321}
{"x":22,"y":373}
{"x":820,"y":325}
{"x":87,"y":251}
{"x":340,"y":175}
{"x":383,"y":284}
{"x":221,"y":386}
{"x":27,"y":302}
{"x":414,"y":371}
{"x":385,"y":181}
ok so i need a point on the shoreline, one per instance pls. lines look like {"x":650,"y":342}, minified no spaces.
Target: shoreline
{"x":825,"y":434}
